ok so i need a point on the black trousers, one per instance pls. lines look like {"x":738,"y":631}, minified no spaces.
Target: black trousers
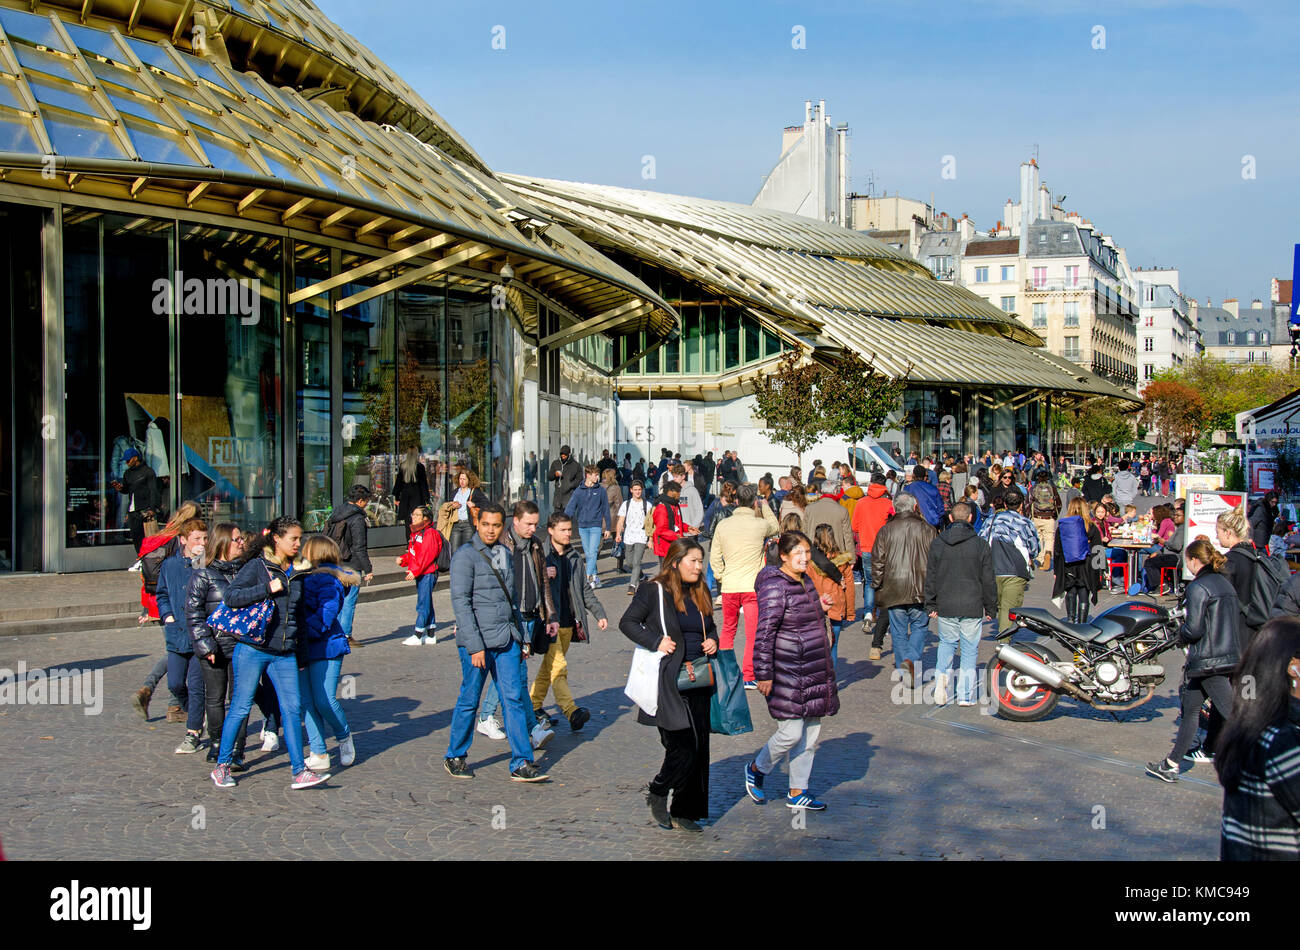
{"x":1077,"y":604}
{"x":1151,"y":569}
{"x":1219,"y":689}
{"x":135,"y":525}
{"x":219,"y":684}
{"x":685,"y":771}
{"x":882,"y":627}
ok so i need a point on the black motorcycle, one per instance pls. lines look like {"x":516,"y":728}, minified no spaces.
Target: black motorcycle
{"x":1113,"y":660}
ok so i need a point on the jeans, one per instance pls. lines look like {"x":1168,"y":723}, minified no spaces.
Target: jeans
{"x":635,"y":553}
{"x":185,"y":680}
{"x":590,"y":547}
{"x":318,"y":685}
{"x":424,"y":620}
{"x":798,"y":738}
{"x":492,"y":696}
{"x":732,"y":605}
{"x":868,"y":592}
{"x":1011,"y":594}
{"x":960,"y":634}
{"x":908,"y":626}
{"x":249,"y":665}
{"x":159,"y":673}
{"x":502,"y":664}
{"x":554,"y":675}
{"x":217,"y":685}
{"x":836,"y":627}
{"x":349,"y":608}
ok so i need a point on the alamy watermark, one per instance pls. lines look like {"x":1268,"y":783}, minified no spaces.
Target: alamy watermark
{"x":56,"y":687}
{"x":214,"y":296}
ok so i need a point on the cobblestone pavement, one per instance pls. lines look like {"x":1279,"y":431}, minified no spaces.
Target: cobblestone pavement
{"x":902,"y":780}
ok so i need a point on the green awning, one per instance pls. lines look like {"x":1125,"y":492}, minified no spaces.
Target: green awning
{"x":1138,"y":446}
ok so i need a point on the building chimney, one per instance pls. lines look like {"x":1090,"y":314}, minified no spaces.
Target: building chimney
{"x":1230,"y":305}
{"x":1028,"y":202}
{"x":1256,"y":304}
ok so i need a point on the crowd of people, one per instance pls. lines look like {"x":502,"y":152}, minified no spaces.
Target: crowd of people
{"x":267,"y":618}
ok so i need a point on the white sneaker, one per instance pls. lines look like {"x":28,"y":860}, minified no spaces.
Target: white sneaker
{"x":941,"y":690}
{"x":541,"y":735}
{"x":414,"y":640}
{"x":317,"y":763}
{"x":270,"y":741}
{"x":429,"y":639}
{"x":347,"y":751}
{"x":868,"y":618}
{"x":490,"y":728}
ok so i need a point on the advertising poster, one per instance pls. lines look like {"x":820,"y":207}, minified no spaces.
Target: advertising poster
{"x":1196,"y":482}
{"x":1261,"y":470}
{"x":1203,"y":509}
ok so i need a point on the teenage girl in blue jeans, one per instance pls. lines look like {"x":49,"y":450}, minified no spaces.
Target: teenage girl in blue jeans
{"x":324,"y":585}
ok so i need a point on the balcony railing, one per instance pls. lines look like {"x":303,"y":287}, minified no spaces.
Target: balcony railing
{"x":1114,"y":301}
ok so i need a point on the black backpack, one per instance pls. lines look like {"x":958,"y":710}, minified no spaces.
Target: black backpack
{"x":338,"y":532}
{"x":1268,"y":577}
{"x":151,"y":565}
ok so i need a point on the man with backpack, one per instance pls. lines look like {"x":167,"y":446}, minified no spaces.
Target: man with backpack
{"x":1015,"y":546}
{"x":1044,"y":506}
{"x":347,"y":527}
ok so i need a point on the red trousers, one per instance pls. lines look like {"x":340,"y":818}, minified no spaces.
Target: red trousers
{"x":732,"y":604}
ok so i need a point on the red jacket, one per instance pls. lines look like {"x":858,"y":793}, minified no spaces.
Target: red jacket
{"x":870,"y":514}
{"x":147,"y":600}
{"x":422,"y":551}
{"x":669,"y":526}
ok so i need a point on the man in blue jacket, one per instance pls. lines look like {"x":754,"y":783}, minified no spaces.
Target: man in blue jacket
{"x":588,"y":506}
{"x":184,"y":675}
{"x":489,"y":638}
{"x":927,"y":496}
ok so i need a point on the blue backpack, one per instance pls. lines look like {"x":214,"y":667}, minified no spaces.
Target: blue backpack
{"x":1074,"y":539}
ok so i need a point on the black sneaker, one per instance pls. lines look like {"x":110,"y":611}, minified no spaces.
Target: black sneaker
{"x":579,"y":718}
{"x":237,"y":764}
{"x":457,"y":767}
{"x":1163,"y":771}
{"x":212,"y":753}
{"x":686,"y":824}
{"x":542,"y":717}
{"x":527,"y":772}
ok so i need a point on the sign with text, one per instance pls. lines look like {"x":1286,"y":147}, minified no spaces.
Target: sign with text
{"x":1203,"y":510}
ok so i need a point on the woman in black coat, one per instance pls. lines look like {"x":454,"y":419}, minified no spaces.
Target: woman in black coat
{"x":1233,"y":534}
{"x":410,"y":487}
{"x":1213,"y":649}
{"x":673,"y":613}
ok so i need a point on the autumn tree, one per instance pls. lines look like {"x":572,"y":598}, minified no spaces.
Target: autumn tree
{"x":787,"y":400}
{"x":1175,"y":410}
{"x":856,"y":399}
{"x":1101,"y":424}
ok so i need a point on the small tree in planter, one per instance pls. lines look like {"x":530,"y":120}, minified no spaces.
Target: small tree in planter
{"x":788,"y":402}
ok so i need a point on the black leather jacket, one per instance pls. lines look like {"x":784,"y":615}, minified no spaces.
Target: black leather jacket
{"x":206,"y":592}
{"x":1211,"y":628}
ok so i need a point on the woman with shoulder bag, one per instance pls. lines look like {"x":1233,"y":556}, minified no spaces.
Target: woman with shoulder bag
{"x":792,"y":661}
{"x":673,"y":614}
{"x":279,"y":651}
{"x":469,"y":498}
{"x":1210,"y":631}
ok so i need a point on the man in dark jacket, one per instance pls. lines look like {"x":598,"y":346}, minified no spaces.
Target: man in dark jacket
{"x":140,"y":484}
{"x":927,"y":497}
{"x":898,"y":562}
{"x":184,"y":675}
{"x":489,"y":636}
{"x":961,"y":594}
{"x":347,"y":526}
{"x":573,"y":600}
{"x":536,"y":607}
{"x":567,"y":475}
{"x":1262,"y":518}
{"x":1095,"y":486}
{"x":1015,"y":545}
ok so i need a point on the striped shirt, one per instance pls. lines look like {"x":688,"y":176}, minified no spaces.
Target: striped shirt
{"x":1261,"y":818}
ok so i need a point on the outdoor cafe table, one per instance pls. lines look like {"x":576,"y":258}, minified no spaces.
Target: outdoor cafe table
{"x":1132,"y":547}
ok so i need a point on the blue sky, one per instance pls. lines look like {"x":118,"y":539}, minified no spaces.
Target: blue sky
{"x":1146,"y":137}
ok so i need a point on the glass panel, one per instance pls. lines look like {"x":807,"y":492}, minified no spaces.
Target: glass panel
{"x":92,"y":41}
{"x":127,"y":105}
{"x":72,"y":135}
{"x":752,"y":345}
{"x":75,"y":99}
{"x":771,"y":343}
{"x":652,"y":360}
{"x":421,"y":390}
{"x":15,"y":134}
{"x":158,"y":145}
{"x":28,"y":26}
{"x":34,"y":59}
{"x":469,"y":323}
{"x":672,"y":362}
{"x":226,"y":158}
{"x":691,"y":330}
{"x":311,"y":321}
{"x":504,"y":408}
{"x":230,"y":430}
{"x":117,"y":381}
{"x":370,"y":398}
{"x":711,"y":340}
{"x":9,"y":95}
{"x":731,"y":336}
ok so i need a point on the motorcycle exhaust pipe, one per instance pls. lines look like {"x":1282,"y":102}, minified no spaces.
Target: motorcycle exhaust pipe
{"x":1049,"y":677}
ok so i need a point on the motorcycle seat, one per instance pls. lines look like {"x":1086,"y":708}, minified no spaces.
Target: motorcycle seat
{"x":1080,"y":631}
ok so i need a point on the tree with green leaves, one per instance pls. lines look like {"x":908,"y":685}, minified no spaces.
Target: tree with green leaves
{"x":1100,"y":424}
{"x":856,"y":399}
{"x":787,"y":401}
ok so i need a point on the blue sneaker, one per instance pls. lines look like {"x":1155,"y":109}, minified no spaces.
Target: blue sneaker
{"x":751,"y":684}
{"x":804,"y":801}
{"x":754,"y":783}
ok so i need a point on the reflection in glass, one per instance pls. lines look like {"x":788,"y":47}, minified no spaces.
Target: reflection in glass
{"x":311,"y":322}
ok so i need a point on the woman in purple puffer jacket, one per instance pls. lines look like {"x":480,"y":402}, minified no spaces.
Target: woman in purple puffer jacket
{"x":792,"y":663}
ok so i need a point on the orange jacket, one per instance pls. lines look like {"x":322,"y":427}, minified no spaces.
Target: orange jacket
{"x":844,"y":600}
{"x":870,"y":515}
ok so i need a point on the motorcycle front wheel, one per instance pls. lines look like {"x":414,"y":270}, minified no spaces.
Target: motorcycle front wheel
{"x":1018,"y":696}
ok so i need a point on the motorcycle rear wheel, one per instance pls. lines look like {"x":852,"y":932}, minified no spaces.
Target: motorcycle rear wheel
{"x":1017,"y":696}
